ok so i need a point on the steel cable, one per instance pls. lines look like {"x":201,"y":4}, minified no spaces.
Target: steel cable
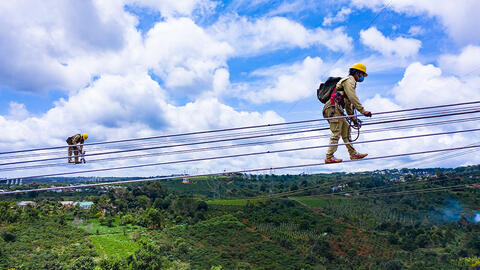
{"x":243,"y":138}
{"x":423,"y":114}
{"x":240,"y":145}
{"x":229,"y":172}
{"x":241,"y":128}
{"x":248,"y":154}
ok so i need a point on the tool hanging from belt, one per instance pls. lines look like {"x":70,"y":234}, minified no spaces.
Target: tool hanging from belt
{"x":356,"y":124}
{"x":337,"y":100}
{"x":81,"y":154}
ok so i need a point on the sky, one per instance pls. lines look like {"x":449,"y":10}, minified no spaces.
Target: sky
{"x":135,"y":68}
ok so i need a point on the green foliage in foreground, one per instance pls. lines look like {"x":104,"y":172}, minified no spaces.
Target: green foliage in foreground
{"x":228,"y":242}
{"x":44,"y":244}
{"x":147,"y":226}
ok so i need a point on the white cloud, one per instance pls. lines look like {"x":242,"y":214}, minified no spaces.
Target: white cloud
{"x":119,"y":107}
{"x":42,"y":42}
{"x":284,"y":83}
{"x":458,"y":17}
{"x":425,"y":85}
{"x":416,"y":30}
{"x":270,"y":34}
{"x":401,"y":47}
{"x":17,"y":111}
{"x":292,"y":7}
{"x":183,"y":54}
{"x":170,"y":8}
{"x":465,"y":64}
{"x":341,"y":16}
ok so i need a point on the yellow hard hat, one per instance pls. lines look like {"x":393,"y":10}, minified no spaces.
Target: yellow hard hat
{"x":361,"y":67}
{"x":85,"y":136}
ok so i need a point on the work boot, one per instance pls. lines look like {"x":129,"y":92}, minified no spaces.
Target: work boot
{"x":70,"y":161}
{"x":333,"y":160}
{"x":358,"y":156}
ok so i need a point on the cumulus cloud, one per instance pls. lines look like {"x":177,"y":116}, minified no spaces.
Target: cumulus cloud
{"x":401,"y":47}
{"x":270,"y":34}
{"x":422,"y":82}
{"x":283,"y":83}
{"x":416,"y":30}
{"x":464,"y":64}
{"x":119,"y":107}
{"x":17,"y":111}
{"x":42,"y":41}
{"x":341,"y":16}
{"x":171,"y":8}
{"x":183,"y":54}
{"x":458,"y":17}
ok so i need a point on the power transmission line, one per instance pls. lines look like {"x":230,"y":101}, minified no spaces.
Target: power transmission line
{"x":419,"y":117}
{"x":241,"y":145}
{"x":241,"y":128}
{"x":236,"y":172}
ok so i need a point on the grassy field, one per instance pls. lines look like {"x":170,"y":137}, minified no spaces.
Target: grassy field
{"x":238,"y":202}
{"x":110,"y":241}
{"x":114,"y":245}
{"x":93,"y":227}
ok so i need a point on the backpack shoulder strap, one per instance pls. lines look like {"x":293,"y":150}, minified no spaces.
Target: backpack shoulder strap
{"x":339,"y":84}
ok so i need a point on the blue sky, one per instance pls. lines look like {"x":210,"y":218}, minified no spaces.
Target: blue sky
{"x":135,"y":68}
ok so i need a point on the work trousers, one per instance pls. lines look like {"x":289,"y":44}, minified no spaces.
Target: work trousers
{"x":339,"y":128}
{"x":75,"y":151}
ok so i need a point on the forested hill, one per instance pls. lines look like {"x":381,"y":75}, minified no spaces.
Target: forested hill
{"x":389,"y":219}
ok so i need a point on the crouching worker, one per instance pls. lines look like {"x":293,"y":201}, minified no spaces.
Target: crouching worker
{"x":344,"y":98}
{"x":76,"y":150}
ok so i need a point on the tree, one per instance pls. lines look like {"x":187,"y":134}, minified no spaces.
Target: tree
{"x":153,"y":218}
{"x":147,"y":257}
{"x":84,"y":263}
{"x":112,"y":264}
{"x":393,"y":265}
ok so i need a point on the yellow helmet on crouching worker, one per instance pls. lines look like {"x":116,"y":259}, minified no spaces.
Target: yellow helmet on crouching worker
{"x":361,"y":67}
{"x":85,"y":136}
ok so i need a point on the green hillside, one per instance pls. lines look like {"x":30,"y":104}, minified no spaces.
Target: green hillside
{"x":396,"y":219}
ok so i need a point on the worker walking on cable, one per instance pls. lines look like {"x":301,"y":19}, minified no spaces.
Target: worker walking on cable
{"x":345,"y":98}
{"x":77,"y":151}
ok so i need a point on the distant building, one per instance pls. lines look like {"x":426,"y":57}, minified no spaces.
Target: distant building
{"x":24,"y":204}
{"x":185,"y":181}
{"x":339,"y":187}
{"x":84,"y":205}
{"x":66,"y":204}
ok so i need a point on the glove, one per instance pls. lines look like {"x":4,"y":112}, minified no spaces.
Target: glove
{"x":367,"y":114}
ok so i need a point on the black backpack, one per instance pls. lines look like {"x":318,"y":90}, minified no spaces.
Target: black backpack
{"x":325,"y":89}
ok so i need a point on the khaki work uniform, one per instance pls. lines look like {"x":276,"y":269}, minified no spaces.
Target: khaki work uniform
{"x":339,"y":127}
{"x":76,"y":150}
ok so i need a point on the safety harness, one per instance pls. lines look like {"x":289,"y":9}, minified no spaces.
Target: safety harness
{"x":337,"y":100}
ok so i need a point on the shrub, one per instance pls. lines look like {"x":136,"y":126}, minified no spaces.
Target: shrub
{"x":84,"y":263}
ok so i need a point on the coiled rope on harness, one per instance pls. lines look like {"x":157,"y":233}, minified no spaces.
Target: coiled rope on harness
{"x":354,"y":123}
